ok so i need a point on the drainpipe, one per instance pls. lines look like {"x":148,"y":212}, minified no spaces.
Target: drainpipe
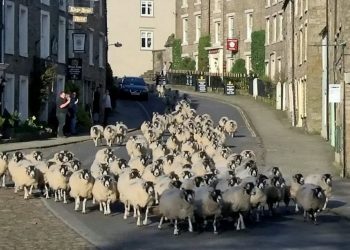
{"x":293,"y":64}
{"x":327,"y":68}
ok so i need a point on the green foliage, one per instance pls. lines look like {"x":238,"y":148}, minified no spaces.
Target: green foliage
{"x":32,"y":125}
{"x":239,"y":67}
{"x":258,"y":52}
{"x":2,"y":121}
{"x":109,"y":77}
{"x":203,"y":58}
{"x":177,"y":51}
{"x":188,"y":63}
{"x":47,"y":79}
{"x":83,"y":118}
{"x":71,"y":87}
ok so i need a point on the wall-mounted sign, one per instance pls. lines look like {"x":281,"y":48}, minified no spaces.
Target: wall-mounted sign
{"x":334,"y":93}
{"x":232,"y":44}
{"x":230,"y":89}
{"x":79,"y":42}
{"x":79,"y":19}
{"x":80,"y":10}
{"x":202,"y":85}
{"x":74,"y":69}
{"x":213,"y":51}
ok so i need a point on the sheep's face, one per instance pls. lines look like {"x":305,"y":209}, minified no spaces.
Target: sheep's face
{"x":68,"y":156}
{"x":134,"y":174}
{"x":209,"y":178}
{"x":122,"y":163}
{"x":173,"y":176}
{"x":176,"y":183}
{"x":4,"y":156}
{"x":318,"y":192}
{"x":85,"y":174}
{"x":187,"y":155}
{"x":275,"y":181}
{"x":231,"y":164}
{"x":64,"y":170}
{"x":299,"y":178}
{"x":249,"y":188}
{"x":238,"y":159}
{"x":198,"y":180}
{"x":188,"y":195}
{"x":149,"y":187}
{"x":60,"y":156}
{"x":254,"y":171}
{"x":76,"y":164}
{"x":234,"y":181}
{"x":104,"y":169}
{"x":187,"y":175}
{"x":170,"y":159}
{"x":18,"y":156}
{"x":111,"y":158}
{"x":106,"y":181}
{"x":327,"y":179}
{"x":276,"y":171}
{"x":95,"y":130}
{"x":157,"y":171}
{"x":216,"y":196}
{"x":30,"y":171}
{"x":37,"y":155}
{"x":138,"y":146}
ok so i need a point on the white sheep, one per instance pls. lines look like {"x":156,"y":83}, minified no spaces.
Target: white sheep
{"x":231,"y":127}
{"x":4,"y":160}
{"x":81,"y":183}
{"x":121,"y":131}
{"x":295,"y":185}
{"x":177,"y":204}
{"x":96,"y":134}
{"x":160,"y":151}
{"x":139,"y":162}
{"x":102,"y":154}
{"x":105,"y":192}
{"x":100,"y":170}
{"x":117,"y":165}
{"x":322,"y":180}
{"x":58,"y":181}
{"x":34,"y":156}
{"x":109,"y":134}
{"x":25,"y":176}
{"x":223,"y":121}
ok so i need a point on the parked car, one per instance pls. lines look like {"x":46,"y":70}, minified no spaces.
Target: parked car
{"x":134,"y":87}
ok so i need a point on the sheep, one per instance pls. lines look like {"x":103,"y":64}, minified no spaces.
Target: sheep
{"x":25,"y":176}
{"x":312,"y":199}
{"x":58,"y":181}
{"x":109,"y":134}
{"x":177,"y":204}
{"x":120,"y":132}
{"x":322,"y":180}
{"x":96,"y":134}
{"x":4,"y":160}
{"x":117,"y":165}
{"x":192,"y":182}
{"x":139,"y":162}
{"x":208,"y":202}
{"x":259,"y":198}
{"x":102,"y":154}
{"x":199,"y":155}
{"x":247,"y":172}
{"x":172,"y":143}
{"x":163,"y":183}
{"x":67,"y":155}
{"x":274,"y":192}
{"x":105,"y":192}
{"x":34,"y":156}
{"x":231,"y":127}
{"x":296,"y":183}
{"x":169,"y":165}
{"x":222,"y":121}
{"x":153,"y":171}
{"x":81,"y":183}
{"x":201,"y":167}
{"x":140,"y":195}
{"x":237,"y":200}
{"x":224,"y":184}
{"x":160,"y":151}
{"x":103,"y":169}
{"x":16,"y":161}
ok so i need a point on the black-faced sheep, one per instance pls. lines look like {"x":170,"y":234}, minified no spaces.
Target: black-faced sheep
{"x":322,"y":180}
{"x":96,"y":134}
{"x":4,"y":159}
{"x":105,"y":192}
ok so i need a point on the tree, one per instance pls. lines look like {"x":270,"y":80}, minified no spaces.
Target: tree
{"x":239,"y":67}
{"x":258,"y":52}
{"x":203,"y":59}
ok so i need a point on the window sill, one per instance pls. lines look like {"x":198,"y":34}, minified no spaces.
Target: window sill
{"x":216,"y":11}
{"x":184,"y":44}
{"x":199,"y":3}
{"x":247,"y":41}
{"x":24,"y":56}
{"x":184,"y":6}
{"x":196,"y":42}
{"x":146,"y":49}
{"x":149,"y":16}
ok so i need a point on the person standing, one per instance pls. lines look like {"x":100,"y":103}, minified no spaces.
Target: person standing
{"x":73,"y":108}
{"x":96,"y":106}
{"x":62,"y":112}
{"x":107,"y":106}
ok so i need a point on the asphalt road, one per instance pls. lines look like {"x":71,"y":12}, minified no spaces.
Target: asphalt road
{"x":284,"y":231}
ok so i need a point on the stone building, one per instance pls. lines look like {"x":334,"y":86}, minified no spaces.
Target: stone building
{"x":39,"y":35}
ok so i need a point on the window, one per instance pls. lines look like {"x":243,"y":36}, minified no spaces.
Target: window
{"x":267,"y":72}
{"x":216,"y":6}
{"x":23,"y":31}
{"x":60,"y":85}
{"x":146,"y":8}
{"x":279,"y":66}
{"x":274,"y":29}
{"x":280,"y":30}
{"x":267,"y":3}
{"x":305,"y":45}
{"x":46,"y":2}
{"x":23,"y":97}
{"x":301,"y":42}
{"x":296,"y":5}
{"x":9,"y":93}
{"x":92,"y":3}
{"x":249,"y":28}
{"x":198,"y":27}
{"x":101,"y":8}
{"x":217,"y":32}
{"x":45,"y":34}
{"x":70,"y":39}
{"x":197,"y":2}
{"x":184,"y":4}
{"x":185,"y":30}
{"x":63,"y":5}
{"x":91,"y":48}
{"x":267,"y":31}
{"x":274,"y":2}
{"x":273,"y":65}
{"x":146,"y":40}
{"x":101,"y":51}
{"x":301,"y":7}
{"x":248,"y":63}
{"x":306,"y":5}
{"x":62,"y":40}
{"x":231,"y":27}
{"x":9,"y":28}
{"x":196,"y":60}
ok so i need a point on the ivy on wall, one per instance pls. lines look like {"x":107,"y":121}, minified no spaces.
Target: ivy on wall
{"x":239,"y":67}
{"x":177,"y":51}
{"x":203,"y":58}
{"x":258,"y":52}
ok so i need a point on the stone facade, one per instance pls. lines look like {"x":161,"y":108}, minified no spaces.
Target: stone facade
{"x":25,"y":54}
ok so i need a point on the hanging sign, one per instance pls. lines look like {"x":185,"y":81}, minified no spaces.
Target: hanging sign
{"x":79,"y":42}
{"x":334,"y":93}
{"x":80,"y":10}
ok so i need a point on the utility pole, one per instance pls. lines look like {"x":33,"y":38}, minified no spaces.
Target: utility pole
{"x":294,"y":122}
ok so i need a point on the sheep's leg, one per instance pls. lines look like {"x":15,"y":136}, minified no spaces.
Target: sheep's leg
{"x":296,"y":208}
{"x":16,"y":188}
{"x":25,"y":193}
{"x":104,"y":208}
{"x":93,"y":201}
{"x":145,"y":221}
{"x":77,"y":203}
{"x":176,"y":230}
{"x":138,"y":215}
{"x":325,"y":204}
{"x":101,"y":208}
{"x":135,"y":211}
{"x":161,"y":222}
{"x":315,"y":218}
{"x":64,"y":197}
{"x":214,"y":225}
{"x":157,"y":198}
{"x":125,"y":211}
{"x":258,"y":211}
{"x":190,"y":227}
{"x":56,"y":196}
{"x":238,"y":226}
{"x":95,"y":142}
{"x":46,"y":192}
{"x":84,"y":206}
{"x":3,"y":180}
{"x":242,"y":221}
{"x":305,"y":216}
{"x":108,"y":206}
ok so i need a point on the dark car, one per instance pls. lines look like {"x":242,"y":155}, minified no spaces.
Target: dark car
{"x":133,"y":87}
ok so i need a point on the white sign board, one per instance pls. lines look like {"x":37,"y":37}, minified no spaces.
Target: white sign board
{"x":334,"y":93}
{"x":80,"y":10}
{"x":80,"y":19}
{"x":79,"y":42}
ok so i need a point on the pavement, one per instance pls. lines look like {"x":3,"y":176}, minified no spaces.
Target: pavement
{"x":289,"y":148}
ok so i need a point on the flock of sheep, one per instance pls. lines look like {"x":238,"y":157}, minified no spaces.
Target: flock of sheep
{"x":179,"y":166}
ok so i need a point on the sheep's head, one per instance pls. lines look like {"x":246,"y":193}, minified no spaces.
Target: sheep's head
{"x":238,"y":159}
{"x":110,"y":158}
{"x":176,"y":183}
{"x":318,"y":192}
{"x":234,"y":181}
{"x":67,"y":156}
{"x":122,"y":163}
{"x":249,"y":188}
{"x":149,"y":187}
{"x":85,"y":174}
{"x":209,"y":178}
{"x":64,"y":170}
{"x":198,"y":181}
{"x":104,"y":168}
{"x":37,"y":155}
{"x":276,"y":171}
{"x":106,"y":180}
{"x":157,"y":170}
{"x":76,"y":164}
{"x":276,"y":181}
{"x":216,"y":196}
{"x":186,"y":174}
{"x":253,"y":171}
{"x":60,"y":156}
{"x":188,"y":195}
{"x":170,"y":159}
{"x":18,"y":156}
{"x":4,"y":156}
{"x":173,"y":176}
{"x":30,"y":170}
{"x":134,"y":173}
{"x":299,"y":178}
{"x":327,"y":179}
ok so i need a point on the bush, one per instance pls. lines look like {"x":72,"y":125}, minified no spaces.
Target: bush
{"x":203,"y":59}
{"x":83,"y":118}
{"x":188,"y":64}
{"x":258,"y":52}
{"x":239,"y":67}
{"x":177,"y":51}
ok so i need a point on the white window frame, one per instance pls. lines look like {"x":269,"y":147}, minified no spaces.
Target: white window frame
{"x":306,"y":6}
{"x":217,"y":8}
{"x":267,"y":31}
{"x":248,"y":61}
{"x":9,"y":28}
{"x":23,"y":99}
{"x":46,"y":2}
{"x":146,"y":35}
{"x":273,"y":65}
{"x":231,"y":26}
{"x":61,"y":57}
{"x":9,"y":93}
{"x":70,"y":39}
{"x":63,"y":5}
{"x":147,"y":5}
{"x":274,"y":28}
{"x":91,"y":48}
{"x":301,"y":8}
{"x":185,"y":31}
{"x":301,"y":45}
{"x":101,"y":53}
{"x":249,"y":24}
{"x":267,"y":3}
{"x":44,"y":40}
{"x":198,"y":27}
{"x":267,"y":68}
{"x":184,"y":4}
{"x":280,"y":29}
{"x":296,"y":7}
{"x":23,"y":31}
{"x":305,"y":40}
{"x":217,"y":27}
{"x":197,"y":2}
{"x":279,"y":66}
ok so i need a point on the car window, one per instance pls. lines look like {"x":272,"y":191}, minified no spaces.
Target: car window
{"x":134,"y":81}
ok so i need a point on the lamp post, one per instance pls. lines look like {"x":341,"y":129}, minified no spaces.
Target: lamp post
{"x":117,"y":44}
